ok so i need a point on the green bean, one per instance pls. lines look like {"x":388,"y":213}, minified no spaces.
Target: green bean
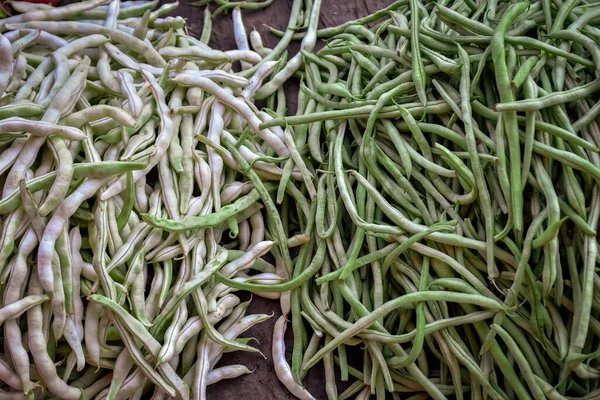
{"x":503,"y":82}
{"x":543,"y":126}
{"x":18,"y":124}
{"x":418,"y":71}
{"x":99,"y":170}
{"x":21,"y":109}
{"x":37,"y":345}
{"x":139,"y":46}
{"x":521,"y":75}
{"x":205,"y":221}
{"x":549,"y":100}
{"x":582,"y":315}
{"x":443,"y":63}
{"x":282,"y":369}
{"x":297,"y":281}
{"x":434,"y":107}
{"x":17,"y":308}
{"x":64,"y":174}
{"x":127,"y":202}
{"x":52,"y":14}
{"x":478,"y":172}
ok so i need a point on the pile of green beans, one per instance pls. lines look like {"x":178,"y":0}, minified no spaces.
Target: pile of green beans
{"x":113,"y":120}
{"x":426,"y":218}
{"x":455,"y":153}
